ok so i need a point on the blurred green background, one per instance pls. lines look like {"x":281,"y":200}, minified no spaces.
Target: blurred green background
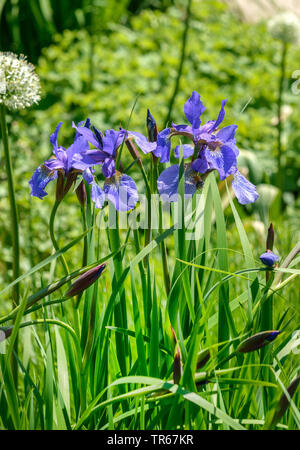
{"x":95,"y":58}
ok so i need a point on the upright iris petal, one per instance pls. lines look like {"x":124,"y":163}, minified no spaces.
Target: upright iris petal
{"x":97,"y":195}
{"x":193,"y":109}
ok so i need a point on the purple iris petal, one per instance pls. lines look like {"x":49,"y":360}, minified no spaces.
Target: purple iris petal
{"x":200,"y":164}
{"x":226,"y":133}
{"x":39,"y":180}
{"x":112,"y":140}
{"x":88,"y":134}
{"x":273,"y":335}
{"x":222,"y":159}
{"x":88,"y":176}
{"x":97,"y":196}
{"x":184,"y":128}
{"x":143,"y":143}
{"x":80,"y":145}
{"x":82,"y":161}
{"x":167,"y":184}
{"x":163,"y":148}
{"x":87,"y":124}
{"x":108,"y":167}
{"x":187,"y":150}
{"x":220,"y":116}
{"x":55,"y":164}
{"x":269,"y":258}
{"x":53,"y":137}
{"x":193,"y":109}
{"x":243,"y":189}
{"x":121,"y":191}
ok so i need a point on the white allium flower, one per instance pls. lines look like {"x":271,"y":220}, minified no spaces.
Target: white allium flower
{"x":286,"y":27}
{"x":19,"y":84}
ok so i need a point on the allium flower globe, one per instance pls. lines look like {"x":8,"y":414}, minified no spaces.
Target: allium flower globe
{"x":19,"y":84}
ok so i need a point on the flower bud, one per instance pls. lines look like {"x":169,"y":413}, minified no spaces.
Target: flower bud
{"x":269,"y":258}
{"x":177,"y":367}
{"x":85,"y":281}
{"x":133,"y":150}
{"x":257,"y":341}
{"x":283,"y":403}
{"x":270,"y":238}
{"x":152,"y":127}
{"x":81,"y":194}
{"x":202,"y":358}
{"x":60,"y":186}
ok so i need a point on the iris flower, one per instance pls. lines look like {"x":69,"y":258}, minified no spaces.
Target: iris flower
{"x":118,"y":188}
{"x":61,"y":162}
{"x":212,"y":149}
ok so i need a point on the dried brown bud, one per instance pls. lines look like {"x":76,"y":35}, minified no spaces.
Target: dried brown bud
{"x":270,"y":237}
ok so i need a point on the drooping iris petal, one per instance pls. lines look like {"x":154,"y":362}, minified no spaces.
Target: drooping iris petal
{"x":187,"y":150}
{"x":269,"y":258}
{"x":163,"y":147}
{"x":221,"y":159}
{"x":121,"y":191}
{"x":53,"y":137}
{"x":39,"y":180}
{"x":226,"y":133}
{"x":143,"y":143}
{"x":79,"y":145}
{"x":193,"y":109}
{"x":220,"y":116}
{"x":97,"y":195}
{"x":108,"y":167}
{"x":55,"y":164}
{"x":243,"y":189}
{"x":168,"y":181}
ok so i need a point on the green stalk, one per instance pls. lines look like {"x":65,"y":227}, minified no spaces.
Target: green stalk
{"x":14,"y":229}
{"x":52,"y":235}
{"x":279,"y":106}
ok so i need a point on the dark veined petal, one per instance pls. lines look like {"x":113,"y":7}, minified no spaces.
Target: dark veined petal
{"x":193,"y":109}
{"x":108,"y":167}
{"x":200,"y":164}
{"x":187,"y":150}
{"x":243,"y":189}
{"x":39,"y":180}
{"x":269,"y":258}
{"x":167,"y":184}
{"x":121,"y":191}
{"x":221,"y":159}
{"x":97,"y":195}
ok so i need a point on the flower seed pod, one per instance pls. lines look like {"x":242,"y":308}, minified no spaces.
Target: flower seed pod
{"x":257,"y":341}
{"x":85,"y":281}
{"x":81,"y":194}
{"x":202,"y":358}
{"x":177,"y":367}
{"x":60,"y":183}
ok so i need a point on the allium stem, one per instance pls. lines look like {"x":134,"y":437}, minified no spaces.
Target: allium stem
{"x":279,"y":119}
{"x":14,"y":225}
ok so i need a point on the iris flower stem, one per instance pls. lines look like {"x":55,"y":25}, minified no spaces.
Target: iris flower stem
{"x":52,"y":234}
{"x":279,"y":120}
{"x":14,"y":229}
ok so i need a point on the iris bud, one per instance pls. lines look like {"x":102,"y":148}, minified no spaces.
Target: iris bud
{"x":202,"y":358}
{"x":283,"y":403}
{"x":269,"y":258}
{"x":257,"y":341}
{"x":81,"y":194}
{"x":177,"y":367}
{"x":270,"y":237}
{"x":151,"y":127}
{"x":85,"y":281}
{"x":5,"y":332}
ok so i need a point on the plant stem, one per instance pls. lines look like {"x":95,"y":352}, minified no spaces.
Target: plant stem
{"x":14,"y":229}
{"x":279,"y":119}
{"x":52,"y":235}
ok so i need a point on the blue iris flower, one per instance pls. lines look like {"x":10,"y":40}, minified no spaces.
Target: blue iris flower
{"x":120,"y":189}
{"x":62,"y":162}
{"x":212,"y":149}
